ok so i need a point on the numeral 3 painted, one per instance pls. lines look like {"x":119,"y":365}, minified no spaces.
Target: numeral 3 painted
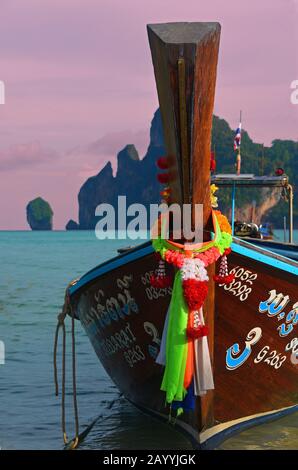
{"x":234,"y":358}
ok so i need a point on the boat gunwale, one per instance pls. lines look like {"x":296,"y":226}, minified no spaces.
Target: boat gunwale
{"x":239,"y":246}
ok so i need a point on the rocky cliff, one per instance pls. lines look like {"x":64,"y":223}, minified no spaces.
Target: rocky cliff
{"x":135,"y":178}
{"x":72,"y":225}
{"x":39,"y":214}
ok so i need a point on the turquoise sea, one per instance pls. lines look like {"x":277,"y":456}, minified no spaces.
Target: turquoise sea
{"x":35,"y":268}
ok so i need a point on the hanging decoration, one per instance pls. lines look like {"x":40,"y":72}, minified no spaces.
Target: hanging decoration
{"x":212,"y":162}
{"x":164,"y":178}
{"x":185,"y":348}
{"x":223,"y":277}
{"x":160,"y":279}
{"x":213,"y":198}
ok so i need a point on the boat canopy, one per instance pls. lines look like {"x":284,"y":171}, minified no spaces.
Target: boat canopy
{"x":246,"y":180}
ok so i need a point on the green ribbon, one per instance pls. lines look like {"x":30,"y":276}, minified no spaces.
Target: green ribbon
{"x":176,"y":346}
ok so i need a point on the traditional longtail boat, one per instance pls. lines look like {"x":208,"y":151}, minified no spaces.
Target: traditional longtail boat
{"x":252,"y":320}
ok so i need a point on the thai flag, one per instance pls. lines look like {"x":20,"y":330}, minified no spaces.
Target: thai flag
{"x":237,"y":139}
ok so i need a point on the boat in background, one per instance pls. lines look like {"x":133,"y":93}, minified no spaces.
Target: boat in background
{"x":253,"y":233}
{"x":252,"y":321}
{"x":266,"y":231}
{"x":252,"y":230}
{"x":244,"y":230}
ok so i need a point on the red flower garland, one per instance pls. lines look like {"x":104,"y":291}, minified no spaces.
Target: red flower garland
{"x":199,"y":332}
{"x":175,"y":258}
{"x":163,"y":163}
{"x":160,"y":282}
{"x":195,"y":331}
{"x":195,"y":293}
{"x":163,"y":178}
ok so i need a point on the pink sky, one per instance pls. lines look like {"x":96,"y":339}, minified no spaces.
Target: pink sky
{"x":79,"y":71}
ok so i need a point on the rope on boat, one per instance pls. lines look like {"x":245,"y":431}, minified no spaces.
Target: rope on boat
{"x":67,"y":310}
{"x":103,"y":416}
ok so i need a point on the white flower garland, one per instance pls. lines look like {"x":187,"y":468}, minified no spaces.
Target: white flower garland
{"x":194,"y":268}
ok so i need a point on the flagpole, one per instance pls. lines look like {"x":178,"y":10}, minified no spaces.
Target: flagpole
{"x":238,"y":158}
{"x":238,"y":170}
{"x":233,"y":207}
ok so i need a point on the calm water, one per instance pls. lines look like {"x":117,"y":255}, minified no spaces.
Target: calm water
{"x":35,"y":268}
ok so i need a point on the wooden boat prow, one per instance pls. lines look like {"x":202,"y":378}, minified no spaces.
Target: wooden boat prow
{"x":124,"y":315}
{"x":188,"y":50}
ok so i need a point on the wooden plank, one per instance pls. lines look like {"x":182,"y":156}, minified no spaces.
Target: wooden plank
{"x":183,"y":130}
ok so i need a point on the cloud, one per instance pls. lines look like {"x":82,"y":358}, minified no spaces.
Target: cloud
{"x":113,"y":142}
{"x":90,"y":158}
{"x":25,"y":156}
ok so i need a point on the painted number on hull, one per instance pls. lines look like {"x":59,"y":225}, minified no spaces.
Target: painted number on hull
{"x":241,"y":286}
{"x":151,"y":329}
{"x":272,"y":358}
{"x":274,"y":307}
{"x":151,"y":292}
{"x":134,"y":355}
{"x":235,"y":358}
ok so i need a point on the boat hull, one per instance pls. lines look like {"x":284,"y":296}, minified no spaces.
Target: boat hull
{"x":289,"y":250}
{"x":124,"y":317}
{"x":263,"y":376}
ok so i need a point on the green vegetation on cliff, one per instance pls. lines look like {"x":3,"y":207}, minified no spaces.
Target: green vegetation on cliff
{"x":39,"y":214}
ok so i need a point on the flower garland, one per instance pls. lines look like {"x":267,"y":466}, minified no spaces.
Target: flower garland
{"x":186,"y":322}
{"x":193,"y":263}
